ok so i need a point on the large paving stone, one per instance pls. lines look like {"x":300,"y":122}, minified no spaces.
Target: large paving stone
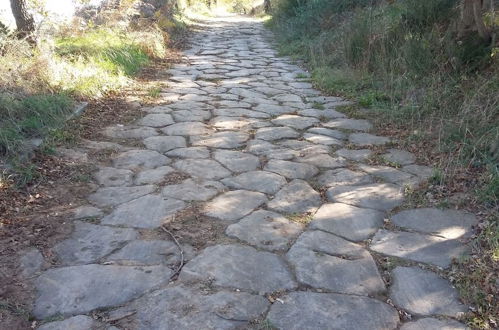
{"x":276,"y":133}
{"x":269,"y":150}
{"x":322,"y":139}
{"x":147,"y":253}
{"x":304,"y":147}
{"x":153,"y":176}
{"x":113,"y":177}
{"x":297,"y":197}
{"x":350,"y":222}
{"x":85,"y":212}
{"x":187,"y":129}
{"x":265,"y":230}
{"x":352,"y":124}
{"x":273,"y":110}
{"x":193,"y":190}
{"x":140,"y":159}
{"x":234,"y":205}
{"x":355,"y":155}
{"x":239,"y":112}
{"x":322,"y":160}
{"x":163,"y":144}
{"x":443,"y":223}
{"x":111,"y":196}
{"x":366,"y":139}
{"x":431,"y":323}
{"x":224,"y":140}
{"x":423,"y":292}
{"x":145,"y":212}
{"x":328,"y":132}
{"x":191,"y":152}
{"x":291,"y":170}
{"x":294,"y":121}
{"x":79,"y":322}
{"x":202,"y":168}
{"x":237,"y":161}
{"x":343,"y":177}
{"x":156,"y":120}
{"x":81,"y":289}
{"x":387,"y":173}
{"x":325,"y":261}
{"x":311,"y":311}
{"x":262,"y":181}
{"x":379,"y":196}
{"x":89,"y":243}
{"x":191,"y":115}
{"x":400,"y":157}
{"x":418,"y":247}
{"x":182,"y":307}
{"x":240,"y":267}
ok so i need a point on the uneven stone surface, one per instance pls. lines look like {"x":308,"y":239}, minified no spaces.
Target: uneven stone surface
{"x":111,"y":196}
{"x":379,"y":196}
{"x":237,"y":161}
{"x":355,"y":155}
{"x":296,"y":197}
{"x":240,"y":267}
{"x":430,"y":323}
{"x":262,"y":181}
{"x":234,"y":204}
{"x":139,"y":159}
{"x":225,"y":140}
{"x":202,"y":168}
{"x":276,"y":133}
{"x":86,"y":212}
{"x":400,"y":157}
{"x":311,"y":310}
{"x":351,"y":124}
{"x":291,"y":170}
{"x":79,"y":322}
{"x":153,"y":176}
{"x":343,"y":177}
{"x":193,"y":190}
{"x":366,"y":139}
{"x":424,"y":293}
{"x":113,"y":177}
{"x":163,"y":144}
{"x":156,"y":120}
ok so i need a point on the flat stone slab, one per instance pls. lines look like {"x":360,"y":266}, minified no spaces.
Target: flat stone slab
{"x":187,"y":128}
{"x":149,"y":211}
{"x":190,"y":152}
{"x":418,"y":247}
{"x":379,"y":196}
{"x":111,"y":196}
{"x":81,"y":289}
{"x":262,"y":181}
{"x":224,"y":140}
{"x":422,"y":292}
{"x":113,"y":177}
{"x":294,"y":121}
{"x":325,"y":261}
{"x":400,"y":157}
{"x":237,"y":161}
{"x":89,"y":243}
{"x":291,"y":170}
{"x":140,"y":159}
{"x":156,"y":120}
{"x":269,"y":150}
{"x":387,"y":173}
{"x":431,"y":323}
{"x":328,"y":132}
{"x":240,"y":267}
{"x":86,"y":212}
{"x":304,"y":147}
{"x":359,"y":155}
{"x":297,"y":197}
{"x":343,"y":177}
{"x":310,"y":311}
{"x":163,"y":144}
{"x":351,"y":124}
{"x":148,"y":253}
{"x":322,"y":160}
{"x":123,"y":132}
{"x":366,"y":139}
{"x":153,"y":176}
{"x":79,"y":322}
{"x":449,"y":224}
{"x":350,"y":222}
{"x":276,"y":133}
{"x":234,"y":205}
{"x":265,"y":230}
{"x":193,"y":190}
{"x":202,"y":168}
{"x":182,"y":307}
{"x":191,"y":115}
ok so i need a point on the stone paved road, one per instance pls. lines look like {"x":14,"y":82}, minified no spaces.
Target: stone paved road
{"x":273,"y":160}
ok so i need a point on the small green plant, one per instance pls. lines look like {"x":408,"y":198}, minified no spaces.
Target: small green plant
{"x":318,"y":106}
{"x":154,"y":92}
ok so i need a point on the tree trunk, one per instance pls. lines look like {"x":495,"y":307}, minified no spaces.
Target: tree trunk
{"x":266,"y":6}
{"x":24,"y":20}
{"x":472,"y":18}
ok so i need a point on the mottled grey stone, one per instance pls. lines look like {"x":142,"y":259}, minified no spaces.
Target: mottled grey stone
{"x":149,"y":211}
{"x":237,"y":161}
{"x":306,"y":310}
{"x":79,"y":322}
{"x":182,"y":307}
{"x":271,"y":109}
{"x":240,"y":112}
{"x":240,"y":267}
{"x":147,"y":253}
{"x":418,"y":247}
{"x":379,"y":196}
{"x":322,"y":160}
{"x":423,"y":292}
{"x":202,"y":168}
{"x":328,"y":132}
{"x":366,"y":139}
{"x":326,"y":114}
{"x":81,"y":289}
{"x":31,"y":262}
{"x":156,"y":120}
{"x":139,"y":159}
{"x":352,"y":124}
{"x":191,"y":152}
{"x":187,"y":129}
{"x":322,"y":139}
{"x":225,"y":140}
{"x":123,"y":132}
{"x":443,"y":223}
{"x":191,"y":115}
{"x":269,"y":150}
{"x":291,"y":170}
{"x":296,"y":197}
{"x":304,"y":147}
{"x":387,"y":173}
{"x":265,"y":230}
{"x":163,"y":144}
{"x":111,"y":196}
{"x":193,"y":190}
{"x":400,"y":157}
{"x":234,"y":205}
{"x":262,"y":181}
{"x":350,"y":222}
{"x":153,"y":176}
{"x":113,"y":177}
{"x":294,"y":121}
{"x":275,"y":133}
{"x":355,"y":155}
{"x":433,"y":324}
{"x":343,"y":177}
{"x":231,"y":123}
{"x":325,"y":261}
{"x":85,"y":212}
{"x":287,"y":98}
